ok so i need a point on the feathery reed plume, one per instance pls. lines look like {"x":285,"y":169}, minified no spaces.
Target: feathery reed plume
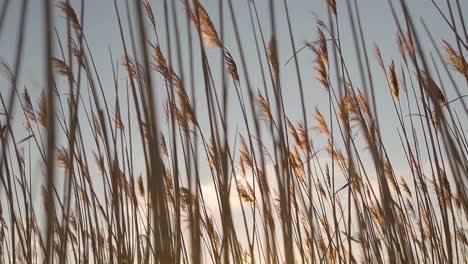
{"x":203,"y":23}
{"x":63,"y":160}
{"x":241,"y":168}
{"x":141,"y":185}
{"x":362,"y":105}
{"x":163,"y":145}
{"x":264,"y":108}
{"x":292,"y":130}
{"x":231,"y":66}
{"x":410,"y":207}
{"x":377,"y":214}
{"x":181,"y":117}
{"x":321,"y":61}
{"x":69,"y":13}
{"x":344,"y":111}
{"x":187,"y":198}
{"x":5,"y":70}
{"x":99,"y":160}
{"x":432,"y":88}
{"x":84,"y":168}
{"x":83,"y":196}
{"x":116,"y":118}
{"x":336,"y":154}
{"x":395,"y":89}
{"x":213,"y":234}
{"x":409,"y":45}
{"x":401,"y":46}
{"x":168,"y":178}
{"x":405,"y":187}
{"x":97,"y":125}
{"x":28,"y":107}
{"x":462,"y":236}
{"x":245,"y":195}
{"x":388,"y":171}
{"x":160,"y":63}
{"x":378,"y":55}
{"x":458,"y":198}
{"x":272,"y":55}
{"x":61,"y":67}
{"x":213,"y":157}
{"x":130,"y":66}
{"x":144,"y":130}
{"x":76,"y":51}
{"x":297,"y":165}
{"x":331,"y":5}
{"x":455,"y":59}
{"x":245,"y":155}
{"x":42,"y":113}
{"x":45,"y":195}
{"x":322,"y":191}
{"x":304,"y":143}
{"x":321,"y":124}
{"x":149,"y":12}
{"x":186,"y":104}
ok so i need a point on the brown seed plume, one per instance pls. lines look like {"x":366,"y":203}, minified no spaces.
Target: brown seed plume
{"x":378,"y":55}
{"x":321,"y":124}
{"x":455,"y":60}
{"x":432,"y":88}
{"x":149,"y":12}
{"x":321,"y":61}
{"x":231,"y":65}
{"x":203,"y":23}
{"x":392,"y":78}
{"x":272,"y":55}
{"x":69,"y":13}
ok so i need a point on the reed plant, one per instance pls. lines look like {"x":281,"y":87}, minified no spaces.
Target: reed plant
{"x":158,"y":169}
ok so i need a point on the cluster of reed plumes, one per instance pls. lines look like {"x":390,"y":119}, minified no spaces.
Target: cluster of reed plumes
{"x":158,"y":177}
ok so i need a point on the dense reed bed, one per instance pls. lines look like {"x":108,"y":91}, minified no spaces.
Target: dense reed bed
{"x":158,"y":169}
